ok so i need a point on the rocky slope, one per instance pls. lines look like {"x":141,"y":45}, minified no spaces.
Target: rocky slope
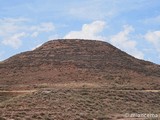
{"x":64,"y":61}
{"x":78,"y":80}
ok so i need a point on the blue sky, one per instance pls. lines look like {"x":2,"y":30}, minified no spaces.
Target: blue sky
{"x":131,"y":25}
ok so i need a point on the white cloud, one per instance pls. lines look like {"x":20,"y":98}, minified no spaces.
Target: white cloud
{"x":11,"y":25}
{"x":123,"y":41}
{"x":34,"y":34}
{"x":15,"y":40}
{"x":14,"y":20}
{"x":36,"y":46}
{"x":88,"y":31}
{"x":154,"y":38}
{"x":43,"y":27}
{"x":8,"y":29}
{"x":13,"y":30}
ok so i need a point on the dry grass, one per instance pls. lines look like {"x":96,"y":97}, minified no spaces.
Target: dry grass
{"x":79,"y":104}
{"x":77,"y":80}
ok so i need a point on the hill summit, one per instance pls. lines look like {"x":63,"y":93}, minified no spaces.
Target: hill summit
{"x":75,"y":60}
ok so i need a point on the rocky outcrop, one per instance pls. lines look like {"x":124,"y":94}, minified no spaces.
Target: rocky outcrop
{"x":79,"y":60}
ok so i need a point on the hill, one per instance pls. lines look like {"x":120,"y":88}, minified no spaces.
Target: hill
{"x":64,"y":61}
{"x":75,"y":79}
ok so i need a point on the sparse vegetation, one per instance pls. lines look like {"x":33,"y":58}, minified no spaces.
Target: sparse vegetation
{"x":77,"y":80}
{"x":81,"y":103}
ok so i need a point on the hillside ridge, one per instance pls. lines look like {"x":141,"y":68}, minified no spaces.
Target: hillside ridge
{"x":66,"y":60}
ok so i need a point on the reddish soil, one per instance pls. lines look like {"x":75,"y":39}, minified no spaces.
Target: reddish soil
{"x":77,"y":80}
{"x":63,"y":61}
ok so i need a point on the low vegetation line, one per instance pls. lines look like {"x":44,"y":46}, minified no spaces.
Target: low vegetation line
{"x":17,"y":91}
{"x":34,"y":90}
